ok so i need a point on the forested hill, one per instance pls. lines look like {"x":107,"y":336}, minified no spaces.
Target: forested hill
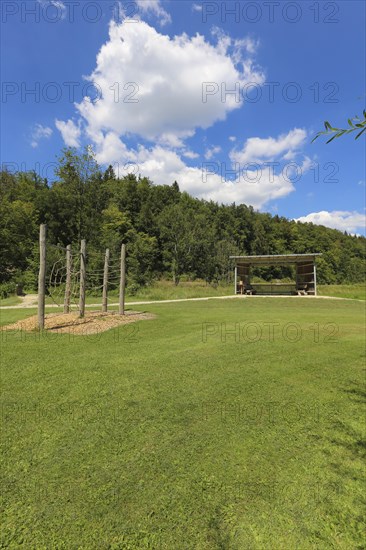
{"x":168,"y":232}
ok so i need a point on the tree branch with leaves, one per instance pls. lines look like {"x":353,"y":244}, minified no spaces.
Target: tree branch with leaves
{"x":355,"y":124}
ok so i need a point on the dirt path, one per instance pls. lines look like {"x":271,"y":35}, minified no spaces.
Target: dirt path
{"x":29,"y":300}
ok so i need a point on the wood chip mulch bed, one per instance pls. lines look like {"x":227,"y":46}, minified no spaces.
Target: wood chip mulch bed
{"x":93,"y":322}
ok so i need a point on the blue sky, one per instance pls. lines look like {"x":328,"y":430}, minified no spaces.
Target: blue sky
{"x":148,"y":83}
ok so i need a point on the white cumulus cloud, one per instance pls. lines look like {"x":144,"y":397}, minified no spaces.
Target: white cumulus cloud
{"x":212,"y":152}
{"x":152,"y":85}
{"x":208,"y":181}
{"x":261,"y":150}
{"x":254,"y":187}
{"x":70,"y":132}
{"x":40,"y":132}
{"x":249,"y":44}
{"x":151,"y":88}
{"x":190,"y":154}
{"x":213,"y":180}
{"x":154,"y":7}
{"x":337,"y":219}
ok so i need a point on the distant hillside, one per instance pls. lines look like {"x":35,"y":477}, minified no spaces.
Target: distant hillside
{"x":168,"y":232}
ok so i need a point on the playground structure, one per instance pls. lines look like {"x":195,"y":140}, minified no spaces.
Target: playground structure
{"x":305,"y":283}
{"x":66,"y":277}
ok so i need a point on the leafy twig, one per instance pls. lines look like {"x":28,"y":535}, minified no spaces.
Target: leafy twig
{"x":355,"y":124}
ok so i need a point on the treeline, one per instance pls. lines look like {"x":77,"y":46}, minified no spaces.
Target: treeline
{"x":168,"y":233}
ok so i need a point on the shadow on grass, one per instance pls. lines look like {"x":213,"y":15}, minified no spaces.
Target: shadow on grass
{"x":349,"y":434}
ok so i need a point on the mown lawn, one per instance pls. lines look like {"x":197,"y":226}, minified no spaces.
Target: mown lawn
{"x":166,"y":290}
{"x":10,"y":301}
{"x":177,"y":434}
{"x":355,"y":291}
{"x":159,"y":290}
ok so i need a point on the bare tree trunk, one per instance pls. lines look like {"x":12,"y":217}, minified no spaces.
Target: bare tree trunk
{"x":42,"y":276}
{"x":122,"y":282}
{"x":82,"y":277}
{"x":105,"y":282}
{"x":68,"y":280}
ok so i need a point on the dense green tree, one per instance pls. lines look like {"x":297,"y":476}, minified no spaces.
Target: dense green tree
{"x":142,"y":254}
{"x":18,"y":232}
{"x":78,"y":190}
{"x":115,"y":228}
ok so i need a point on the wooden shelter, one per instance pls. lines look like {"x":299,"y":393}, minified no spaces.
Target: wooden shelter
{"x":305,"y":282}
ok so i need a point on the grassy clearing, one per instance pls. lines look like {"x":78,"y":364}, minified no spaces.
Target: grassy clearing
{"x":166,"y":290}
{"x":10,"y":301}
{"x":356,"y":291}
{"x":160,"y":290}
{"x":177,"y":434}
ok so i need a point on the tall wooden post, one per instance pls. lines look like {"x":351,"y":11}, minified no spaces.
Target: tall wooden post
{"x":105,"y":282}
{"x":122,"y":282}
{"x":82,"y":277}
{"x":315,"y":289}
{"x":67,"y":298}
{"x":42,"y":276}
{"x":236,"y":280}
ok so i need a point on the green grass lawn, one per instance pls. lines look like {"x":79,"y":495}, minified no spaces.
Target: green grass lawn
{"x":356,"y":291}
{"x":161,"y":290}
{"x":178,"y":434}
{"x":10,"y":301}
{"x":166,"y":290}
